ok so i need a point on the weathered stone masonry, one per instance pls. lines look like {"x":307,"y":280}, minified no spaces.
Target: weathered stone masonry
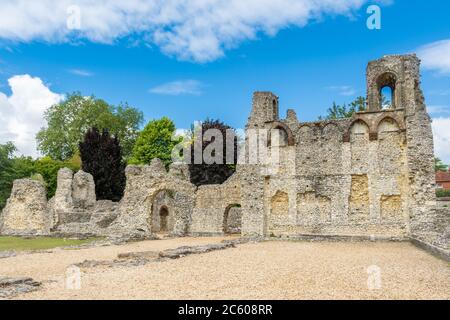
{"x":370,"y":176}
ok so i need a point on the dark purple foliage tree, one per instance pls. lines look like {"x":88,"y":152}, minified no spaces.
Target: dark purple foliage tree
{"x":101,"y":156}
{"x":205,"y":174}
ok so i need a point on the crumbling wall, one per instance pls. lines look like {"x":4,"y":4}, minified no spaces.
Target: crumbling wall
{"x":26,"y":210}
{"x":144,"y":183}
{"x":213,"y":203}
{"x":356,"y":177}
{"x":163,"y":203}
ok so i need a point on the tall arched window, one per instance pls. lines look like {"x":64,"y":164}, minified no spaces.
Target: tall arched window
{"x":387,"y":97}
{"x":386,"y":91}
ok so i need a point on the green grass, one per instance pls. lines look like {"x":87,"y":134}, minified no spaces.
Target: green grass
{"x":39,"y":243}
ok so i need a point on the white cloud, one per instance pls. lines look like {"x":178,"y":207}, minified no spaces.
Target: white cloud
{"x":343,"y":90}
{"x":180,"y":87}
{"x":81,"y":73}
{"x":21,"y":113}
{"x":195,"y":30}
{"x":436,"y":56}
{"x":442,"y":138}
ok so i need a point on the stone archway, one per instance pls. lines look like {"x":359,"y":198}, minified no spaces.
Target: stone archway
{"x":163,"y":219}
{"x":161,"y":216}
{"x":232,"y":219}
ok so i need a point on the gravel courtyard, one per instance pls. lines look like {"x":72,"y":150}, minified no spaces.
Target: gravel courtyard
{"x":266,"y":270}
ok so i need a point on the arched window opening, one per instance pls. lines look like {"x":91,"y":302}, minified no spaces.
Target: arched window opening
{"x":386,"y":91}
{"x":278,"y":138}
{"x":275,"y":108}
{"x":387,"y":97}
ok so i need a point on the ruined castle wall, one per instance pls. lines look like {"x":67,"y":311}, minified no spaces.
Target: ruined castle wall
{"x":348,"y":178}
{"x":26,"y":210}
{"x":370,"y":175}
{"x":144,"y":183}
{"x":213,"y":204}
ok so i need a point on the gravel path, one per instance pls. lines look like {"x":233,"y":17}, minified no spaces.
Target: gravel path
{"x":268,"y":270}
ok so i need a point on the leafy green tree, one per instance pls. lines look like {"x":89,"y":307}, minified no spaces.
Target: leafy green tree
{"x":12,"y":168}
{"x":101,"y":156}
{"x":439,"y":165}
{"x":6,"y":171}
{"x":68,"y":121}
{"x":345,"y":111}
{"x":155,"y":141}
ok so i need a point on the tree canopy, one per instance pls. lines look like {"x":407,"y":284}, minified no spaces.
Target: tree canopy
{"x":101,"y":156}
{"x":345,"y":111}
{"x":216,"y":173}
{"x":155,"y":141}
{"x":6,"y":171}
{"x":439,"y":165}
{"x":68,"y":121}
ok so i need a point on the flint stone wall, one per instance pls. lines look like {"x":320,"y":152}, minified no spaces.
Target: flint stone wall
{"x":370,"y":176}
{"x":213,"y":204}
{"x":75,"y":208}
{"x":144,"y":183}
{"x":26,"y":210}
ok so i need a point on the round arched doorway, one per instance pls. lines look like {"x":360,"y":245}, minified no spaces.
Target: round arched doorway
{"x":163,"y":219}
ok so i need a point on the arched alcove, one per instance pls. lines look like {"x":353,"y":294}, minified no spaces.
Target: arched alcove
{"x":386,"y":89}
{"x":280,"y":135}
{"x":232,"y":219}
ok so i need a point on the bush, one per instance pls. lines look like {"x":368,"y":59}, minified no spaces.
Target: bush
{"x":443,"y":193}
{"x":155,"y":141}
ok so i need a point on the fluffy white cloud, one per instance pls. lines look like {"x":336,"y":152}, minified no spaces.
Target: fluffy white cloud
{"x":436,"y":56}
{"x":180,"y":87}
{"x":21,"y":113}
{"x":195,"y":30}
{"x":442,"y":138}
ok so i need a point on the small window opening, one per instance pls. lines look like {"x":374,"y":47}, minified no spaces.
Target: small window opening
{"x":387,"y":98}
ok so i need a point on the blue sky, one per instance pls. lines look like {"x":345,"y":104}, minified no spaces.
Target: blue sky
{"x":308,"y":59}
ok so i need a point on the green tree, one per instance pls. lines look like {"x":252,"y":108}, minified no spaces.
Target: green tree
{"x":68,"y":121}
{"x":345,"y":111}
{"x":6,"y":171}
{"x":155,"y":141}
{"x":439,"y":165}
{"x":11,"y":168}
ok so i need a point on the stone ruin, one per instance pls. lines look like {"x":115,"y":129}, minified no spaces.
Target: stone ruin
{"x":370,"y":176}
